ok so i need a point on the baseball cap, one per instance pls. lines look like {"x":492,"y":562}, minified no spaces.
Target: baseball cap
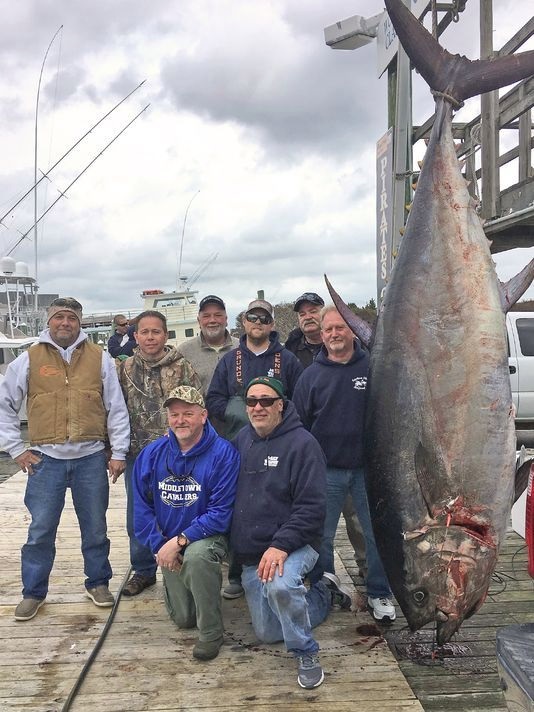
{"x":188,"y":394}
{"x":273,"y":383}
{"x":211,"y":299}
{"x":261,"y":304}
{"x":311,"y":297}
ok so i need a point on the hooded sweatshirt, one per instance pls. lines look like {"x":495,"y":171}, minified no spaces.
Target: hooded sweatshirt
{"x":281,"y":492}
{"x":14,"y":389}
{"x":330,"y":399}
{"x":225,"y":383}
{"x":191,"y":493}
{"x":146,"y":385}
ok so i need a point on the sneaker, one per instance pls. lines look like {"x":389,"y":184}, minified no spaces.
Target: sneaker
{"x":207,"y":649}
{"x":339,"y":596}
{"x":382,"y":609}
{"x":137,"y":584}
{"x":310,"y":673}
{"x":28,"y":608}
{"x":233,"y":590}
{"x":101,"y":596}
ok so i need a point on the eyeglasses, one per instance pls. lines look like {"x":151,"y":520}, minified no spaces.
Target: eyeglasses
{"x":264,"y":402}
{"x":124,"y":323}
{"x":262,"y":318}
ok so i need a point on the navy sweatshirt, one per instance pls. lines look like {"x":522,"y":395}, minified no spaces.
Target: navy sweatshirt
{"x":330,"y":399}
{"x":224,"y":383}
{"x":281,"y":491}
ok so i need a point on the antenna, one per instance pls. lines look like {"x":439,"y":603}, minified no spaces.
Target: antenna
{"x":200,"y":270}
{"x":179,"y":275}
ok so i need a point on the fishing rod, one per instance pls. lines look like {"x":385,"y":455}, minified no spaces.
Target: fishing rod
{"x":45,"y":175}
{"x":62,"y":193}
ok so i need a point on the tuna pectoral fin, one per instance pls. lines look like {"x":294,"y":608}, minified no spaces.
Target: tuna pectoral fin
{"x":512,"y":290}
{"x":363,"y":330}
{"x":425,"y":473}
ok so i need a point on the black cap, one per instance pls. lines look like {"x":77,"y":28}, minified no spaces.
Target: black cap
{"x":211,"y":299}
{"x":308,"y":297}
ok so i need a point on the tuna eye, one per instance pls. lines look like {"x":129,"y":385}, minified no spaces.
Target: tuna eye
{"x":420,"y":597}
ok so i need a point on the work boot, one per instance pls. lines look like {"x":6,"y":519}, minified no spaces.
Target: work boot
{"x":137,"y":584}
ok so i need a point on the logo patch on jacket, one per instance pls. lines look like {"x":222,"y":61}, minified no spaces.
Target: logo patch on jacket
{"x":360,"y":382}
{"x":271,"y":461}
{"x":49,"y":370}
{"x":179,"y":491}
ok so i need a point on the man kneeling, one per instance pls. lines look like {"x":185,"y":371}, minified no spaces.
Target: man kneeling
{"x":184,"y":490}
{"x":277,"y":525}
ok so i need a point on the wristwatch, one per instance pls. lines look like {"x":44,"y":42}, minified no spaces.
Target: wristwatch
{"x":182,"y":540}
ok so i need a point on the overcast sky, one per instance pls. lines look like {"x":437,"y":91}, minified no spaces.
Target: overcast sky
{"x":269,"y":132}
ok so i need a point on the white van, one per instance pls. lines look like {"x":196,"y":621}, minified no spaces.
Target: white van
{"x":520,"y":327}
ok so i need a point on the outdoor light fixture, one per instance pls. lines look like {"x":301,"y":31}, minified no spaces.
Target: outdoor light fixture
{"x":354,"y":32}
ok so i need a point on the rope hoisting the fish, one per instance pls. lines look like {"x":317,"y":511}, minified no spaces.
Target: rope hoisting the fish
{"x":448,"y":97}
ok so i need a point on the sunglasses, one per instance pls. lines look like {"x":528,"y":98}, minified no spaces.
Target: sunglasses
{"x":67,"y":302}
{"x":262,"y":318}
{"x":264,"y":402}
{"x":124,"y":323}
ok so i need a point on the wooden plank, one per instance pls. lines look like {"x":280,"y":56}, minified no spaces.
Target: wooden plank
{"x":146,"y":662}
{"x":468,"y":682}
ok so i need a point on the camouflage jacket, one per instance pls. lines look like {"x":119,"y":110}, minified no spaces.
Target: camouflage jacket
{"x":145,"y":385}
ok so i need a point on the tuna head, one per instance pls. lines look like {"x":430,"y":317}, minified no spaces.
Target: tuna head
{"x":447,"y":574}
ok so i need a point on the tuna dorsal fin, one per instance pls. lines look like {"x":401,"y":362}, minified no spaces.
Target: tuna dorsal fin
{"x":453,"y":74}
{"x":363,"y":330}
{"x":514,"y":289}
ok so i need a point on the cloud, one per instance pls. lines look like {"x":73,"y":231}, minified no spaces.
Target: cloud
{"x":247,"y":106}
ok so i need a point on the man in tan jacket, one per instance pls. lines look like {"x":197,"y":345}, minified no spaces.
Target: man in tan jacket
{"x":74,"y":405}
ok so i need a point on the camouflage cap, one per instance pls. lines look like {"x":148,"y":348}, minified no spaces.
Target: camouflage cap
{"x":187,"y":394}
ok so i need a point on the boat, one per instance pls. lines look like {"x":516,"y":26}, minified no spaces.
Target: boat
{"x":180,"y":308}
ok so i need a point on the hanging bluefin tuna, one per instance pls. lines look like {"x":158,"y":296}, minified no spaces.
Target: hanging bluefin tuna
{"x":439,"y":440}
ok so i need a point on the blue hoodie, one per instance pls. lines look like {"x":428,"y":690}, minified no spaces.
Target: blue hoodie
{"x":330,"y":399}
{"x":281,"y":492}
{"x":190,"y":492}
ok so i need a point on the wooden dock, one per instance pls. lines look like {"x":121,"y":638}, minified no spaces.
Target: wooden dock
{"x":145,"y":662}
{"x":466,"y":679}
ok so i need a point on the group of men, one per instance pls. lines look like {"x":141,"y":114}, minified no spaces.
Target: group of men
{"x":263,"y":479}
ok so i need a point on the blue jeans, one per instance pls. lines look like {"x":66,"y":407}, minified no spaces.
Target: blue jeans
{"x":339,"y":483}
{"x":45,"y":498}
{"x":141,"y":558}
{"x":282,"y":609}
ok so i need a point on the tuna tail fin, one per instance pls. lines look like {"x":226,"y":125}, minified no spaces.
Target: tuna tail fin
{"x":363,"y":330}
{"x":512,"y":290}
{"x":453,"y":74}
